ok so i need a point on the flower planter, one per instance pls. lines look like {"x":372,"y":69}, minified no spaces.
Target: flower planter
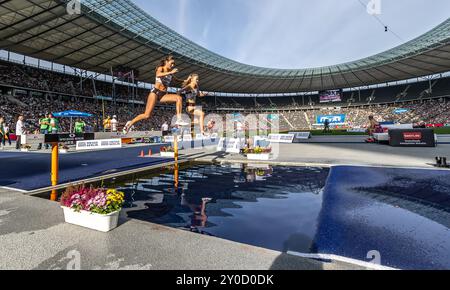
{"x":98,"y":222}
{"x":168,"y":154}
{"x":25,"y":150}
{"x":263,"y":156}
{"x":63,"y":151}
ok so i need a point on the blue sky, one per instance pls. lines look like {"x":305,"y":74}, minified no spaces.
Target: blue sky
{"x":296,"y":33}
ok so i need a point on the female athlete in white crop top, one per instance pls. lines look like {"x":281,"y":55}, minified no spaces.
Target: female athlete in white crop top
{"x":164,"y":75}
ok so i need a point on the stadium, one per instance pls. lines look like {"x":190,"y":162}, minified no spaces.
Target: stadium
{"x":117,"y":165}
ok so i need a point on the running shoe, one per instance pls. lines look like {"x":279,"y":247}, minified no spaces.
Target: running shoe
{"x":127,"y":127}
{"x":181,"y":123}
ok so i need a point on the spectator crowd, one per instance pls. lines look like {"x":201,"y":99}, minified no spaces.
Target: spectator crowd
{"x":49,"y":92}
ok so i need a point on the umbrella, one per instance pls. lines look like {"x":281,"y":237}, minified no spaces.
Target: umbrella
{"x":72,"y":114}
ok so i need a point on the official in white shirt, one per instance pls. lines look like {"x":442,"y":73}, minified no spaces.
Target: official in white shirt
{"x":114,"y":124}
{"x":20,"y":130}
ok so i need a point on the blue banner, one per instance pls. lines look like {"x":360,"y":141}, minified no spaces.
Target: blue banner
{"x":401,"y":111}
{"x":333,"y":119}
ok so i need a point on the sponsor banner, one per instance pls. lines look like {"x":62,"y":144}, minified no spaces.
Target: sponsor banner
{"x":211,"y":137}
{"x":231,"y":145}
{"x":32,"y":139}
{"x":171,"y":139}
{"x":103,"y":98}
{"x":136,"y":102}
{"x":400,"y":111}
{"x":412,"y":138}
{"x":416,"y":136}
{"x":301,"y":135}
{"x":99,"y":144}
{"x":330,"y":96}
{"x":129,"y":135}
{"x":187,"y":138}
{"x":68,"y":139}
{"x":435,"y":125}
{"x":281,"y":138}
{"x":333,"y":119}
{"x":357,"y":130}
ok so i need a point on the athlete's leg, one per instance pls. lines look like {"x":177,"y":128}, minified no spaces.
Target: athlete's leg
{"x":201,"y":115}
{"x":193,"y":111}
{"x":178,"y":100}
{"x":174,"y":99}
{"x":151,"y":102}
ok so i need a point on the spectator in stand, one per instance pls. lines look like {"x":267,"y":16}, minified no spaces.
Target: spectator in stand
{"x":20,"y":130}
{"x":165,"y":129}
{"x":2,"y":132}
{"x":107,"y":124}
{"x":7,"y":134}
{"x":44,"y":125}
{"x":80,"y":126}
{"x":54,"y":125}
{"x":61,"y":92}
{"x":114,"y":124}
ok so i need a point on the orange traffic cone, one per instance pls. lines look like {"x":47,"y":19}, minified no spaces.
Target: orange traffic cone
{"x":142,"y":154}
{"x":149,"y":152}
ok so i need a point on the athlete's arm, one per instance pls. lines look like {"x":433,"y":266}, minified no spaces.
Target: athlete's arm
{"x":177,"y":81}
{"x":160,"y":73}
{"x":185,"y":90}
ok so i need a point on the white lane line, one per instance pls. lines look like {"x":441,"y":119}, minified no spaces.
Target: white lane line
{"x":341,"y":259}
{"x":13,"y":189}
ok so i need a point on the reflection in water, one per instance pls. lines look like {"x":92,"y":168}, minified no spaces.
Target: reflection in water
{"x":246,"y":203}
{"x":402,"y":213}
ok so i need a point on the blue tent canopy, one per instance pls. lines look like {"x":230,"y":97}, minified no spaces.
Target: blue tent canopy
{"x":72,"y":114}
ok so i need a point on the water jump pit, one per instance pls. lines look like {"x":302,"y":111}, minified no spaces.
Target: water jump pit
{"x":399,"y":216}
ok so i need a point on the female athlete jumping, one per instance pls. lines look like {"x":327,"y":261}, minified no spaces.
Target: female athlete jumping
{"x":164,"y":74}
{"x":191,"y":91}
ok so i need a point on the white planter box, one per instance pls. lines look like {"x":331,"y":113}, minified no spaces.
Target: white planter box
{"x":63,"y":151}
{"x":25,"y":150}
{"x":265,"y":156}
{"x":98,"y":222}
{"x":168,"y":154}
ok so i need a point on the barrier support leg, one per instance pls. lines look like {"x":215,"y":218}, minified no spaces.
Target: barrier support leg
{"x":55,"y":170}
{"x":175,"y":147}
{"x":176,"y":175}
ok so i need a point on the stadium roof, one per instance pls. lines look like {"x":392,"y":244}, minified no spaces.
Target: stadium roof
{"x":111,"y":33}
